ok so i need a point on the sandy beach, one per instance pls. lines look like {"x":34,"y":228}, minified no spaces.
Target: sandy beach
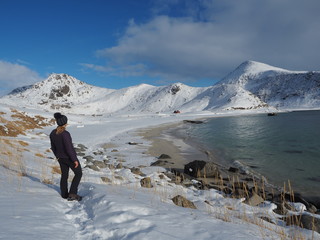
{"x":164,"y":141}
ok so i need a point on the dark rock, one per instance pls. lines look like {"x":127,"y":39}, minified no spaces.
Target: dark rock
{"x":119,"y":166}
{"x":254,"y":200}
{"x":311,"y":208}
{"x":311,"y":223}
{"x":93,"y":167}
{"x":98,"y":153}
{"x":164,"y":156}
{"x":223,"y":189}
{"x":200,"y":185}
{"x":314,"y":201}
{"x":296,"y":197}
{"x":82,"y":147}
{"x":202,"y":169}
{"x":239,"y":193}
{"x":119,"y":177}
{"x":233,"y":170}
{"x":175,"y":89}
{"x":110,"y":166}
{"x":133,"y":143}
{"x":183,"y":202}
{"x":99,"y":164}
{"x":248,"y":179}
{"x":78,"y":150}
{"x":88,"y":158}
{"x":281,"y":210}
{"x":304,"y":221}
{"x":160,"y":163}
{"x":192,"y":121}
{"x":106,"y":180}
{"x":146,"y":182}
{"x":137,"y":171}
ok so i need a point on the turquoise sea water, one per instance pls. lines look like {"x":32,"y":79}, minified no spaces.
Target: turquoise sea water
{"x":281,"y":148}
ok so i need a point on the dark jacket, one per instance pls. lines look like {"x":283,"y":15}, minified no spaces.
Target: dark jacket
{"x":61,"y":145}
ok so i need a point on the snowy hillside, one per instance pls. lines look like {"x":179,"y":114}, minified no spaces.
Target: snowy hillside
{"x":143,"y":99}
{"x":252,"y":85}
{"x":58,"y":91}
{"x":277,"y":87}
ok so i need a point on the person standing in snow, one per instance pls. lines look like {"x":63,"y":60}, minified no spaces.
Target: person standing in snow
{"x":62,"y":147}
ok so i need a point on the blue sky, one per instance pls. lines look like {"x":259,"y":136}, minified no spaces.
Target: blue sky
{"x":121,"y":43}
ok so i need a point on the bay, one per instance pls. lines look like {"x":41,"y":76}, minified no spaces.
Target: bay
{"x":282,"y":148}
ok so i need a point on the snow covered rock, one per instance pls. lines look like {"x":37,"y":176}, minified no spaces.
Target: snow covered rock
{"x":183,"y":202}
{"x":146,"y":182}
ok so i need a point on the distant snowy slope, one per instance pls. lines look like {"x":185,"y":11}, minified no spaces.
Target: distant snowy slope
{"x":59,"y":90}
{"x":144,"y":99}
{"x":230,"y":97}
{"x":250,"y":86}
{"x":277,"y":87}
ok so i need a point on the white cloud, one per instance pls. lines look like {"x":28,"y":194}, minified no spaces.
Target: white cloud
{"x":13,"y":75}
{"x":212,"y":39}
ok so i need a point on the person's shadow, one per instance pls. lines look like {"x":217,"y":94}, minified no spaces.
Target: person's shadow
{"x":52,"y":186}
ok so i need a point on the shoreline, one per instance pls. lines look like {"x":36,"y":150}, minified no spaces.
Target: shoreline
{"x":164,"y":140}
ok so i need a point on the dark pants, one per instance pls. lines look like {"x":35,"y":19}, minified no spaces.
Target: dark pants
{"x":65,"y":164}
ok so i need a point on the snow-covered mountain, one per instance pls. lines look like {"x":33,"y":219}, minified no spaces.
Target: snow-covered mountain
{"x":143,"y":98}
{"x":57,"y":91}
{"x":252,"y":85}
{"x":277,"y":87}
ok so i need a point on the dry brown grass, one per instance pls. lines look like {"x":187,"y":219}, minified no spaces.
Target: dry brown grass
{"x":40,"y":155}
{"x":21,"y":123}
{"x":11,"y":156}
{"x":47,"y":181}
{"x":23,"y":143}
{"x":56,"y":169}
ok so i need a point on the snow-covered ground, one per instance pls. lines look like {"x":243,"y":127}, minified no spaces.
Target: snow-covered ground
{"x":31,"y":207}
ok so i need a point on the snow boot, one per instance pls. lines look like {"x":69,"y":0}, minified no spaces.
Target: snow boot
{"x":74,"y":197}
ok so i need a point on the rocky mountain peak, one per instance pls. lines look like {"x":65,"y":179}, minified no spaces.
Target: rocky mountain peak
{"x":58,"y":90}
{"x":175,"y":88}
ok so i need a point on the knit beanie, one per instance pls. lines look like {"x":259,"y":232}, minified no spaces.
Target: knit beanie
{"x":60,"y":119}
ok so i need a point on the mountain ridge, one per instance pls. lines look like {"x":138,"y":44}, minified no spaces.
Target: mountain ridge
{"x":252,"y":85}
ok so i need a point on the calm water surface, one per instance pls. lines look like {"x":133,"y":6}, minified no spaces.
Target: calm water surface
{"x":283,"y":147}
